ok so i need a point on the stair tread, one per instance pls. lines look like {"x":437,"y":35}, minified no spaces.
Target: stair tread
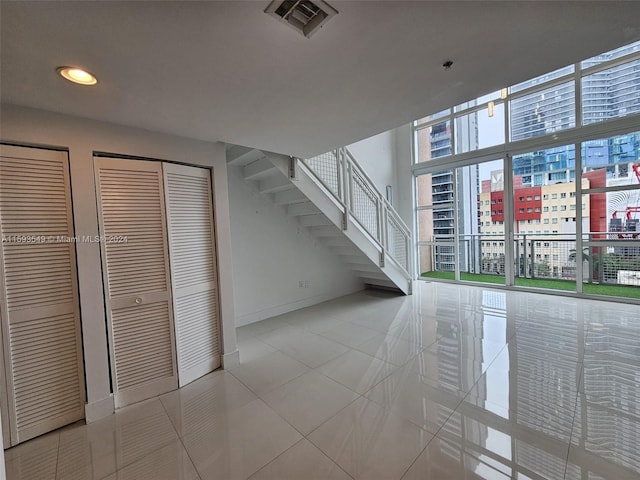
{"x":320,"y":217}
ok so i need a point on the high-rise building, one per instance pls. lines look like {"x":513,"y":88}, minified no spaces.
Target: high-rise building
{"x":606,"y":94}
{"x":439,"y":226}
{"x":540,"y":106}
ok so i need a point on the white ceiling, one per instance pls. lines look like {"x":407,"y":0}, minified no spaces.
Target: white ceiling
{"x":226,"y":71}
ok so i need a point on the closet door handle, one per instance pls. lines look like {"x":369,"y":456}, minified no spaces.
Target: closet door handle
{"x":138,"y":300}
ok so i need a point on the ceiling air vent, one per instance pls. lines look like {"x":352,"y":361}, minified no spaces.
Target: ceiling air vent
{"x":306,"y":16}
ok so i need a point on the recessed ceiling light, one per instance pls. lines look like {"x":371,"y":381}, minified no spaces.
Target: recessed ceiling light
{"x":77,"y":75}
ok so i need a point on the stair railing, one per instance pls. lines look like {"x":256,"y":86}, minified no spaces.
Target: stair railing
{"x":341,"y":175}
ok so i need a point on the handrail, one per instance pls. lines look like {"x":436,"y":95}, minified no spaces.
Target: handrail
{"x":373,"y":186}
{"x":341,"y":175}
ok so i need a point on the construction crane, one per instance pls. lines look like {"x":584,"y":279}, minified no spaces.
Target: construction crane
{"x":631,"y":226}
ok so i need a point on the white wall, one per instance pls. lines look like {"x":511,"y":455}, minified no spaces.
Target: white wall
{"x":404,"y":203}
{"x":377,"y":156}
{"x":82,"y":138}
{"x":272,"y":254}
{"x":386,"y":158}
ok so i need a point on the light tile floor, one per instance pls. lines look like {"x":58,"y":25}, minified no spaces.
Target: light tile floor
{"x":451,"y":383}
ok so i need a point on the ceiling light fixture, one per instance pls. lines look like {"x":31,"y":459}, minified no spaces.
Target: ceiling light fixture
{"x":77,"y":75}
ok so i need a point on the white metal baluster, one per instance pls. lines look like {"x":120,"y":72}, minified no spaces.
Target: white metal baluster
{"x":346,"y":188}
{"x":339,"y":174}
{"x":336,"y":154}
{"x":384,"y":237}
{"x":385,"y":222}
{"x":350,"y":177}
{"x":377,"y":219}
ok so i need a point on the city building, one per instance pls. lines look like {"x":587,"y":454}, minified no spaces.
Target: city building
{"x":543,"y":106}
{"x":439,"y":226}
{"x":544,"y":225}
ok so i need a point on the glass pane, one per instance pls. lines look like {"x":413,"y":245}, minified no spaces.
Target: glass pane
{"x":542,"y":79}
{"x":425,"y":225}
{"x":612,"y":215}
{"x":423,"y":190}
{"x":545,"y":167}
{"x":612,"y":270}
{"x":437,"y":224}
{"x":442,"y":190}
{"x":543,"y":112}
{"x":479,"y":130}
{"x":612,"y":161}
{"x":611,"y":93}
{"x":428,"y":118}
{"x":434,"y":141}
{"x":443,"y":222}
{"x":545,"y":219}
{"x":481,"y":239}
{"x":612,"y":55}
{"x":425,"y":259}
{"x":445,"y":258}
{"x":436,"y":261}
{"x":468,"y":220}
{"x":478,"y":101}
{"x":613,"y":266}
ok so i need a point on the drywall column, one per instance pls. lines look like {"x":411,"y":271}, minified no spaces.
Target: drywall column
{"x":92,"y":314}
{"x":83,"y":137}
{"x":404,"y":203}
{"x":3,"y":475}
{"x":230,"y":355}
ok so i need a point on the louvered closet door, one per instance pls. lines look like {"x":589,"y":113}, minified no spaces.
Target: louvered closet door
{"x":193,"y":269}
{"x":43,"y":373}
{"x":136,"y":276}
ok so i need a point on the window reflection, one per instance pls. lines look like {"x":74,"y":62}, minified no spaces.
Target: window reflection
{"x":566,"y":386}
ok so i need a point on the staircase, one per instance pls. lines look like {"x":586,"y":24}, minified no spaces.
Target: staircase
{"x":332,"y":196}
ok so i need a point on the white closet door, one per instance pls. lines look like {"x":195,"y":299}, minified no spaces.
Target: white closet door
{"x":39,"y":305}
{"x":193,"y":269}
{"x":136,"y":276}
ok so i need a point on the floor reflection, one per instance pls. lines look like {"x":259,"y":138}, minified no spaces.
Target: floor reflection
{"x":450,"y":383}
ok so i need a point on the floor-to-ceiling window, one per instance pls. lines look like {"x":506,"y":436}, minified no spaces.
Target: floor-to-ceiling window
{"x":537,"y":185}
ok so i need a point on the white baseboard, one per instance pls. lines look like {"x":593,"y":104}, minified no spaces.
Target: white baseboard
{"x":99,"y":409}
{"x":289,"y":307}
{"x":230,"y":360}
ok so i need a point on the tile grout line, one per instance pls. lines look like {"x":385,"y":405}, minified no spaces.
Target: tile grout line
{"x":454,"y":410}
{"x":57,"y":456}
{"x":573,"y":421}
{"x":159,"y":447}
{"x":151,"y":452}
{"x":184,"y":447}
{"x":275,"y":388}
{"x":286,"y":450}
{"x":383,"y":407}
